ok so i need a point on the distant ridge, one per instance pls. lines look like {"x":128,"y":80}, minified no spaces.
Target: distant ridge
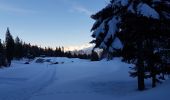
{"x":83,"y":49}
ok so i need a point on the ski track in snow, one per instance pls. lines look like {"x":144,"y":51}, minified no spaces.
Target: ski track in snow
{"x":29,"y":90}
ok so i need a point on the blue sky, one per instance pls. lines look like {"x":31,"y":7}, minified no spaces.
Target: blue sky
{"x":49,"y":22}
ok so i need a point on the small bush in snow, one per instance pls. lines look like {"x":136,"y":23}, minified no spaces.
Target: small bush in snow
{"x":40,"y":60}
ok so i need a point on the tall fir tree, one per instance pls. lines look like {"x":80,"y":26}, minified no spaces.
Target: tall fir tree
{"x":18,"y":48}
{"x":1,"y":47}
{"x":94,"y":56}
{"x":9,"y":42}
{"x":134,"y":27}
{"x":1,"y":54}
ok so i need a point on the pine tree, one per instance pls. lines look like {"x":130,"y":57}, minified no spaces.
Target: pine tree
{"x":94,"y":56}
{"x":134,"y":27}
{"x":56,"y":52}
{"x":1,"y":54}
{"x":59,"y":52}
{"x":9,"y":42}
{"x":18,"y":48}
{"x":1,"y":47}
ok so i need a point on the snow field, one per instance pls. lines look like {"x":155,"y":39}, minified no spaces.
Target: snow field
{"x":75,"y":79}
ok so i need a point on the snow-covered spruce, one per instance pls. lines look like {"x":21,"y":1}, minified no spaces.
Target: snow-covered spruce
{"x":134,"y":29}
{"x":108,"y":20}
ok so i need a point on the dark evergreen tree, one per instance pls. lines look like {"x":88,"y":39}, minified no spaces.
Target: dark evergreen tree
{"x":56,"y":52}
{"x":94,"y":56}
{"x":2,"y":55}
{"x":68,"y":54}
{"x":1,"y":59}
{"x":133,"y":28}
{"x":18,"y":48}
{"x":9,"y":42}
{"x":1,"y":47}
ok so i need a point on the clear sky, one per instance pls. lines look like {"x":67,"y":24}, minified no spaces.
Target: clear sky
{"x":49,"y":22}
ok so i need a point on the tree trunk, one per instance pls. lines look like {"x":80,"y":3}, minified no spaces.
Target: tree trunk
{"x":153,"y":74}
{"x":140,"y":67}
{"x":151,"y":62}
{"x":141,"y":84}
{"x":153,"y":80}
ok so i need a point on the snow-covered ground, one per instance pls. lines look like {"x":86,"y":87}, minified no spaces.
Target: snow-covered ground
{"x":75,"y":79}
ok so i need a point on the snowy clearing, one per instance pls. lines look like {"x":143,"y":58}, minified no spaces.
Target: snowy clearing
{"x":74,"y":79}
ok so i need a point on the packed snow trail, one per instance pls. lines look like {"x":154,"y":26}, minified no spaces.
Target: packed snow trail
{"x":89,"y":81}
{"x":20,"y":86}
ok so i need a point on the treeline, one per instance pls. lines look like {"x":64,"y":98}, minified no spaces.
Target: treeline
{"x":17,"y":49}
